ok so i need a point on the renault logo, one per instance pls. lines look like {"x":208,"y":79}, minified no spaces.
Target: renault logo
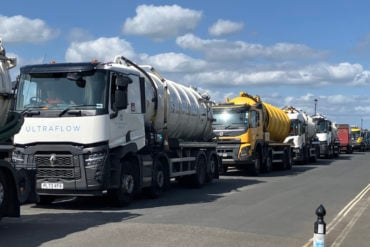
{"x":53,"y":159}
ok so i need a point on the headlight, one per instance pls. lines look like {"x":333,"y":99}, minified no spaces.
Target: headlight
{"x":17,"y":157}
{"x":95,"y":160}
{"x":244,"y":152}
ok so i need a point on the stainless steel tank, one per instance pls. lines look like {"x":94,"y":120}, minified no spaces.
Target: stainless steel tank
{"x":181,"y":112}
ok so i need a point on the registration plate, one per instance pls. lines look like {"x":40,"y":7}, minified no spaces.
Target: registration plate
{"x":52,"y":186}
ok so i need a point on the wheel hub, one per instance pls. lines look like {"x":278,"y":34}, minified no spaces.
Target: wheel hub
{"x":128,"y":183}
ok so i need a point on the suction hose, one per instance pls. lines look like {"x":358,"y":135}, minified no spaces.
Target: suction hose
{"x":12,"y":125}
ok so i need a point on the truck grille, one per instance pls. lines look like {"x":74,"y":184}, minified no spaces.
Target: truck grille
{"x":57,"y":166}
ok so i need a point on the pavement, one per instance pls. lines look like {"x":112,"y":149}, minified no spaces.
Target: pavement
{"x":352,"y":225}
{"x":357,"y":231}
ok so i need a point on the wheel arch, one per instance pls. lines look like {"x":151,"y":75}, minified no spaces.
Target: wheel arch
{"x":120,"y":154}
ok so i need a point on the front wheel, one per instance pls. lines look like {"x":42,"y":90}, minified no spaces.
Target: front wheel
{"x":256,"y":167}
{"x":287,"y":160}
{"x":268,"y":164}
{"x":4,"y":193}
{"x":128,"y":185}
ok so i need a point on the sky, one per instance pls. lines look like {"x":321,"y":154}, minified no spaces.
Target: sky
{"x":288,"y":52}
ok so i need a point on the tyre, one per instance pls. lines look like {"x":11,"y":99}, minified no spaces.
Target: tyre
{"x":128,"y":185}
{"x":199,"y":178}
{"x":4,"y":193}
{"x":268,"y":164}
{"x":160,"y":179}
{"x":314,"y":158}
{"x":212,"y":166}
{"x":287,"y":160}
{"x":255,"y":169}
{"x":25,"y":186}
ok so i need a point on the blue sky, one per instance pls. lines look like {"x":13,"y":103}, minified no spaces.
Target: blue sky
{"x":288,"y":52}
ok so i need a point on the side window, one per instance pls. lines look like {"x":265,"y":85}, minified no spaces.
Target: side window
{"x":134,"y":95}
{"x":113,"y":91}
{"x":253,"y":119}
{"x":127,"y":91}
{"x":117,"y":88}
{"x":29,"y":92}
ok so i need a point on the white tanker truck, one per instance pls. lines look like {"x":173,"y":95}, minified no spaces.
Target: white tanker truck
{"x":302,"y":137}
{"x":112,"y":130}
{"x":327,"y":134}
{"x":10,"y":123}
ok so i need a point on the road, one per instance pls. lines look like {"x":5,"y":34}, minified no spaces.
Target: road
{"x":275,"y":209}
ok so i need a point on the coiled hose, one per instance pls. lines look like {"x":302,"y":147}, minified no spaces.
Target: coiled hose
{"x":12,"y":126}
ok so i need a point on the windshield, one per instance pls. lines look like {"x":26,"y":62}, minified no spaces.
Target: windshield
{"x":296,"y":128}
{"x":322,"y":126}
{"x":233,"y":119}
{"x":61,"y":91}
{"x":355,"y":134}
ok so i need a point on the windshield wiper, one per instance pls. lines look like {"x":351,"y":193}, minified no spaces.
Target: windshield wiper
{"x":30,"y":110}
{"x":74,"y":112}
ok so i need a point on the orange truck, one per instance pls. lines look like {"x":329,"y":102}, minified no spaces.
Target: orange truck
{"x":344,"y":136}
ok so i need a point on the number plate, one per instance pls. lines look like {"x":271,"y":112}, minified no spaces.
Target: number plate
{"x":52,"y":186}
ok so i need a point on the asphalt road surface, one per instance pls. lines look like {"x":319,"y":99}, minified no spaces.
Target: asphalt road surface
{"x":275,"y":209}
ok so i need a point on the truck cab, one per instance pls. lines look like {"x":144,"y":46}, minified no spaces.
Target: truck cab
{"x":249,"y":134}
{"x":238,"y":128}
{"x":327,"y":134}
{"x":64,"y":143}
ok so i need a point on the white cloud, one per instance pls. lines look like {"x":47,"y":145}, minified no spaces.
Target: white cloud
{"x":174,"y":62}
{"x":219,"y":49}
{"x":225,"y":27}
{"x":78,"y":35}
{"x":161,"y":22}
{"x":20,"y":29}
{"x":363,"y":109}
{"x":103,"y":49}
{"x":362,"y":78}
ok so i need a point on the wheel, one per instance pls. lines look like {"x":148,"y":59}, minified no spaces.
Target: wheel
{"x":212,"y":166}
{"x":127,"y":186}
{"x":255,"y":169}
{"x":160,"y":179}
{"x":45,"y":200}
{"x":268,"y":165}
{"x":4,"y":193}
{"x":314,"y":158}
{"x":306,"y":155}
{"x":199,"y":178}
{"x":287,"y":160}
{"x":25,"y":186}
